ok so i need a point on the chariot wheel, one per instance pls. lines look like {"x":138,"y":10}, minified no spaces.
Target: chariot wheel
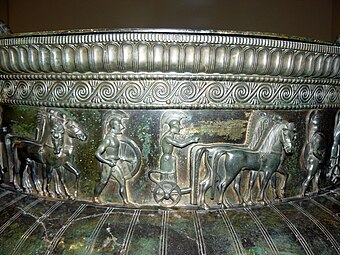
{"x":167,"y":193}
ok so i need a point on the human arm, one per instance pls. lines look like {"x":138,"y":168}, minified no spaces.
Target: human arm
{"x":181,"y":143}
{"x":101,"y":149}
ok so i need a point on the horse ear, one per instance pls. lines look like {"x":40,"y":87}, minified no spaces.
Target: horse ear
{"x":291,"y":126}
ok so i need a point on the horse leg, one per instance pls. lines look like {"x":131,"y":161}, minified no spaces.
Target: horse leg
{"x":69,"y":167}
{"x":35,"y":176}
{"x":44,"y":176}
{"x":49,"y":173}
{"x":252,"y":179}
{"x":25,"y":179}
{"x":263,"y":192}
{"x":284,"y":182}
{"x":214,"y":168}
{"x":274,"y":185}
{"x":57,"y":184}
{"x":223,"y":200}
{"x":204,"y":185}
{"x":60,"y":174}
{"x":237,"y":188}
{"x":195,"y":163}
{"x":17,"y":169}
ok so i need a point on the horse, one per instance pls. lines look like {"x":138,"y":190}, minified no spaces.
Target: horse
{"x":267,"y":159}
{"x":258,"y":128}
{"x":66,"y":156}
{"x":62,"y":133}
{"x":23,"y":152}
{"x":198,"y":152}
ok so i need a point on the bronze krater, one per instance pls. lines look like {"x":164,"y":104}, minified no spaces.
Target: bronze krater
{"x":169,"y":142}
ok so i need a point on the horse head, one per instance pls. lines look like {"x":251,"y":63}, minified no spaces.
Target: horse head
{"x":57,"y":136}
{"x":75,"y":131}
{"x":288,"y":137}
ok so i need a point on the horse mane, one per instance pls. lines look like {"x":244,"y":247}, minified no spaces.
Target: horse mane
{"x":41,"y":122}
{"x":262,"y":127}
{"x":272,"y":137}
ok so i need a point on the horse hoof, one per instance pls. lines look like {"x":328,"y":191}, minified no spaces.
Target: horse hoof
{"x":17,"y":189}
{"x":205,"y":207}
{"x":132,"y":204}
{"x":96,"y":200}
{"x":50,"y":194}
{"x":60,"y":196}
{"x":225,"y":206}
{"x":71,"y":197}
{"x":262,"y":202}
{"x":245,"y":204}
{"x":250,"y":203}
{"x":267,"y":202}
{"x":27,"y":191}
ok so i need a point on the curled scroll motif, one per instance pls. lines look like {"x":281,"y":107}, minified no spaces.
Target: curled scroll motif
{"x":319,"y":94}
{"x":265,"y":93}
{"x":286,"y":93}
{"x":187,"y":92}
{"x":221,"y":94}
{"x":160,"y":91}
{"x":217,"y":92}
{"x":59,"y":91}
{"x":105,"y":92}
{"x":23,"y":89}
{"x":305,"y":94}
{"x":8,"y":89}
{"x":134,"y":92}
{"x":39,"y":91}
{"x":242,"y":92}
{"x":82,"y":92}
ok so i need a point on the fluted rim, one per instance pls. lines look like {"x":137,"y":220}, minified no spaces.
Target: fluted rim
{"x":166,"y":51}
{"x":268,"y":35}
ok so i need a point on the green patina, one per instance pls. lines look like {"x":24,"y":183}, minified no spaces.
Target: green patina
{"x":90,"y":121}
{"x":231,"y":129}
{"x":144,"y":134}
{"x":145,"y":246}
{"x":23,"y":120}
{"x":256,"y":251}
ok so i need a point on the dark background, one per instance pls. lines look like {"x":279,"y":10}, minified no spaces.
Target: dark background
{"x":317,"y":19}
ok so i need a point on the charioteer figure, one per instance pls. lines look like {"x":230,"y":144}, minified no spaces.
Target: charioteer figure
{"x":170,"y":138}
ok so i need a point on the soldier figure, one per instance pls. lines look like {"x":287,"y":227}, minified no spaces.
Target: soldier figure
{"x":334,"y":173}
{"x":314,"y":152}
{"x":115,"y":165}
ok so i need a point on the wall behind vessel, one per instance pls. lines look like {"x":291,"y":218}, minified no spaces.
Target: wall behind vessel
{"x":308,"y":18}
{"x":336,"y":19}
